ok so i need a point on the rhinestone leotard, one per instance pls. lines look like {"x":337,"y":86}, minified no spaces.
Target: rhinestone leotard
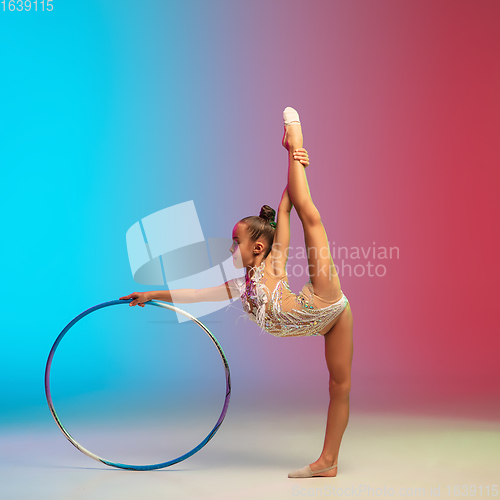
{"x":282,"y":313}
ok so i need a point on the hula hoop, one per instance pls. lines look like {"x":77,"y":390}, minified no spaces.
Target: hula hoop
{"x":126,"y":466}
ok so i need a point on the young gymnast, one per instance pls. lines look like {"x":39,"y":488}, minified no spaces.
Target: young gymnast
{"x":321,"y":308}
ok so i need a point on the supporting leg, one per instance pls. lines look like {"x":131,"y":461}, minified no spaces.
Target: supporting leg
{"x":338,"y":353}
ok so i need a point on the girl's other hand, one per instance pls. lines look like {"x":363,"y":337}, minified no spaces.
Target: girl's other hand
{"x":301,"y":155}
{"x":139,"y":298}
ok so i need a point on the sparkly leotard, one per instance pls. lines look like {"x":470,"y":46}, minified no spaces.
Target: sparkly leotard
{"x":282,"y":313}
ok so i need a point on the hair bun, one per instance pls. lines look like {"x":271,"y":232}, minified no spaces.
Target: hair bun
{"x":268,"y":214}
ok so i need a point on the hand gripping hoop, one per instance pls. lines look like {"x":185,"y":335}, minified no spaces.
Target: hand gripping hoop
{"x":126,"y":466}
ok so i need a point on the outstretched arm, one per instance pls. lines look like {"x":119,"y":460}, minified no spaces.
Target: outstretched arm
{"x":226,"y":291}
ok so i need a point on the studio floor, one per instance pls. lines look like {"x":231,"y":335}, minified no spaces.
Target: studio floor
{"x":383,"y":454}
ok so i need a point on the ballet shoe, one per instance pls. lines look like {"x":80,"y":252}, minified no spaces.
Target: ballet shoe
{"x":290,"y":115}
{"x":307,"y":472}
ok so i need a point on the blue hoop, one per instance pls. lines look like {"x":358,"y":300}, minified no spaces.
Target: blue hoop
{"x":126,"y":466}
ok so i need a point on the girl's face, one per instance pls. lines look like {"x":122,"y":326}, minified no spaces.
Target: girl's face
{"x":241,"y":248}
{"x":238,"y":248}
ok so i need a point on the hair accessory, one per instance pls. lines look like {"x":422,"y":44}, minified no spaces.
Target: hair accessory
{"x":273,"y":224}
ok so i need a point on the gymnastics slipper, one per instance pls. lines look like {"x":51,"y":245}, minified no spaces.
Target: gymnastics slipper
{"x":290,"y":115}
{"x":307,"y":472}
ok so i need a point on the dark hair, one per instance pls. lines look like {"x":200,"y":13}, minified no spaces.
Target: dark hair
{"x":262,"y":226}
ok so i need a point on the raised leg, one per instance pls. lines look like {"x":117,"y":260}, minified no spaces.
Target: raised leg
{"x":322,"y":270}
{"x":338,"y":353}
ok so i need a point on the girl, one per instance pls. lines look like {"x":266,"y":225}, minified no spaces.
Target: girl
{"x":261,"y":247}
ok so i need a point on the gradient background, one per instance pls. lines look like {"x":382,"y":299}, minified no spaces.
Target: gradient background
{"x":113,"y":110}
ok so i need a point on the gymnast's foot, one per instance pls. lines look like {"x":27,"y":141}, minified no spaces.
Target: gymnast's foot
{"x":292,"y":137}
{"x":322,"y":464}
